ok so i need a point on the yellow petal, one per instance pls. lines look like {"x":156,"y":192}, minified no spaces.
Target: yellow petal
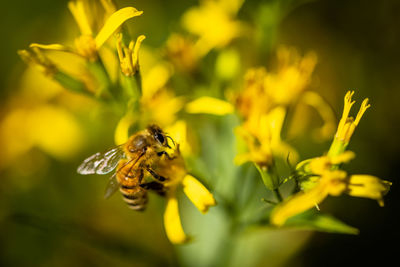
{"x":197,"y":193}
{"x":78,"y":11}
{"x":55,"y":131}
{"x":325,"y":111}
{"x":114,"y":22}
{"x":368,"y":186}
{"x":122,"y":131}
{"x":276,"y":118}
{"x":155,"y":79}
{"x":135,"y":53}
{"x":299,"y":203}
{"x":178,"y":132}
{"x":209,"y":105}
{"x":172,"y":222}
{"x":54,"y":47}
{"x":343,"y":158}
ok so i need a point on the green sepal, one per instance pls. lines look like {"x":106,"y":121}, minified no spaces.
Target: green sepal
{"x":270,"y":179}
{"x":317,"y":221}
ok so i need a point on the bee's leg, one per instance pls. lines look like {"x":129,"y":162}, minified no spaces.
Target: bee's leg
{"x":158,"y":177}
{"x":154,"y":186}
{"x":166,"y":155}
{"x":141,"y":175}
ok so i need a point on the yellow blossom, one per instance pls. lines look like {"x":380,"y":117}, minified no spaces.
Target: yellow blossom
{"x":87,"y":45}
{"x":129,"y":56}
{"x":347,"y":124}
{"x":292,"y":76}
{"x":172,"y":222}
{"x":197,"y":193}
{"x":368,"y":186}
{"x":209,"y":105}
{"x":213,"y":21}
{"x":38,"y":59}
{"x":320,"y":177}
{"x":332,"y":183}
{"x":262,"y":137}
{"x":329,"y":183}
{"x":49,"y":128}
{"x":181,"y":51}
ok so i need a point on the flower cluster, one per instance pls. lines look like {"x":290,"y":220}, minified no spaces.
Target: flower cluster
{"x":321,"y":177}
{"x":171,"y":86}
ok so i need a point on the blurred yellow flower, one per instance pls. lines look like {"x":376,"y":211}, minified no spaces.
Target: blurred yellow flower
{"x":47,"y":127}
{"x":263,"y":102}
{"x":209,"y":105}
{"x":262,"y":137}
{"x":213,"y":21}
{"x":182,"y":53}
{"x":292,"y":76}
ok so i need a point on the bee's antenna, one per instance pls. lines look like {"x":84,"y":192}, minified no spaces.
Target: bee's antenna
{"x":173,"y":142}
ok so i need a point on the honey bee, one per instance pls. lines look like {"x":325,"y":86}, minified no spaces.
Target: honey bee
{"x":134,"y":161}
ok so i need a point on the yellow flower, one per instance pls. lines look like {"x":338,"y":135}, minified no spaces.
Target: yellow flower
{"x":292,"y":76}
{"x":368,"y":186}
{"x":87,"y":45}
{"x":129,"y":56}
{"x":38,"y":59}
{"x":209,"y":105}
{"x":263,"y":102}
{"x":329,"y":183}
{"x":332,"y":183}
{"x":47,"y":127}
{"x":181,"y":51}
{"x":262,"y":137}
{"x":347,"y":124}
{"x":213,"y":21}
{"x":197,"y":193}
{"x":320,"y":177}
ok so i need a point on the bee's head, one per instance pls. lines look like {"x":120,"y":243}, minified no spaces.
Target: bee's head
{"x":159,"y":136}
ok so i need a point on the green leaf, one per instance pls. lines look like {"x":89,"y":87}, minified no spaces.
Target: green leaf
{"x":312,"y":220}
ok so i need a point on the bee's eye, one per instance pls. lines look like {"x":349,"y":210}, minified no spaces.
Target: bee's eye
{"x":159,"y":137}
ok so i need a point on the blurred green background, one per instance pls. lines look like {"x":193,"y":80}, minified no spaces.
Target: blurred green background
{"x":58,"y":218}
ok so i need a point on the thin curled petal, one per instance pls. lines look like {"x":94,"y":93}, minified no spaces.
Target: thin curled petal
{"x":298,"y":204}
{"x":368,"y":186}
{"x":53,"y":47}
{"x":209,"y":105}
{"x":78,"y":12}
{"x":172,"y":222}
{"x":198,"y":193}
{"x":114,"y":22}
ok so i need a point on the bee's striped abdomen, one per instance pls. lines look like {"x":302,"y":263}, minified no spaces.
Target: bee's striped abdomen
{"x":134,"y":195}
{"x":136,"y":198}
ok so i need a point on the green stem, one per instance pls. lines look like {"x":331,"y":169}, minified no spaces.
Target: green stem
{"x":277,"y":194}
{"x":99,"y":71}
{"x":69,"y":82}
{"x":224,"y":255}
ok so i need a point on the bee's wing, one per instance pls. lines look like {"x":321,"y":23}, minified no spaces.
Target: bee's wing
{"x":102,"y":163}
{"x":112,"y":186}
